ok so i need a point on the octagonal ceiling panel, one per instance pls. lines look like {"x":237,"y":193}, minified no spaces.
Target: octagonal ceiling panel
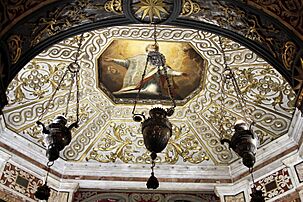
{"x":107,"y":133}
{"x":121,"y":65}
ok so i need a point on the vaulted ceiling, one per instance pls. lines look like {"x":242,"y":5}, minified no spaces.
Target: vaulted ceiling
{"x":262,"y":42}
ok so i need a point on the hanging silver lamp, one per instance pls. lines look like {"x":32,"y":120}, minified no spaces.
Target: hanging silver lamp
{"x":244,"y":143}
{"x":156,"y":129}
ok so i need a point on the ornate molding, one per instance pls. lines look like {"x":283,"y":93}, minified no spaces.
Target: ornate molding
{"x":152,"y":11}
{"x":19,"y":180}
{"x":140,"y":197}
{"x":287,"y":12}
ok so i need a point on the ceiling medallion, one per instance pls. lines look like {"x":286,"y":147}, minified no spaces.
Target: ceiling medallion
{"x":152,"y":11}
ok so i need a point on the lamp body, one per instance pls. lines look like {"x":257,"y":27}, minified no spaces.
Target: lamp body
{"x":257,"y":196}
{"x":43,"y":192}
{"x":156,"y":130}
{"x":57,"y":137}
{"x":244,"y":143}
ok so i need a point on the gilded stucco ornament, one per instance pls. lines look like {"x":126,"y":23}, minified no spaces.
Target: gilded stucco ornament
{"x":289,"y":54}
{"x":190,"y":7}
{"x":152,"y":11}
{"x":15,"y":9}
{"x":37,"y":81}
{"x":114,"y":6}
{"x":115,"y":146}
{"x":98,"y":140}
{"x":14,"y":44}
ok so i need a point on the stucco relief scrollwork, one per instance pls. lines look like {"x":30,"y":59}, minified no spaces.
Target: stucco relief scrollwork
{"x":114,"y":6}
{"x":263,"y":85}
{"x":190,"y":7}
{"x":267,"y":93}
{"x":85,"y":135}
{"x":37,"y":80}
{"x":123,"y":142}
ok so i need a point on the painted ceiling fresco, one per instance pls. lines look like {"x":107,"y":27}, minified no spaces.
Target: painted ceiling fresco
{"x":107,"y":133}
{"x":124,"y":61}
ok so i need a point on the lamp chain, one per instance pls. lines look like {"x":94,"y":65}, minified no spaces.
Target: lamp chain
{"x":251,"y":170}
{"x":228,"y":74}
{"x":69,"y":93}
{"x":149,"y":58}
{"x":45,"y":110}
{"x":155,"y":34}
{"x":170,"y":92}
{"x":140,"y":86}
{"x":49,"y":164}
{"x":74,"y":73}
{"x":79,"y":47}
{"x":78,"y":95}
{"x":222,"y":92}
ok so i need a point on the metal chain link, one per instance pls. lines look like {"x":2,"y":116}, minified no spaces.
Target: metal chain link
{"x":140,"y":86}
{"x":222,"y":92}
{"x":45,"y":110}
{"x":69,"y":94}
{"x":160,"y":82}
{"x":231,"y":76}
{"x":149,"y":58}
{"x":170,"y":91}
{"x":79,"y":47}
{"x":78,"y":96}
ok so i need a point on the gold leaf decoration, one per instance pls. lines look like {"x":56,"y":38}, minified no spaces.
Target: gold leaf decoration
{"x":151,"y":8}
{"x":114,"y":6}
{"x":190,"y":7}
{"x":116,"y":145}
{"x":289,"y":54}
{"x":14,"y":44}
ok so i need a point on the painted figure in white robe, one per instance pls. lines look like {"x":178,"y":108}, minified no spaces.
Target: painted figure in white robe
{"x":153,"y":84}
